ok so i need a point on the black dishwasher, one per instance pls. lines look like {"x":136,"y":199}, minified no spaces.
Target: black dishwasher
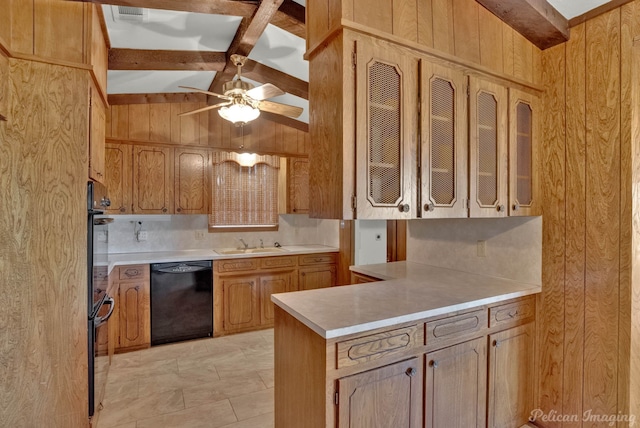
{"x":181,"y":301}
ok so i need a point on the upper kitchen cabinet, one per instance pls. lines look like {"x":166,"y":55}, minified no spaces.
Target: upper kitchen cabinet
{"x":118,"y":169}
{"x":364,"y":104}
{"x":297,"y":186}
{"x":386,"y":117}
{"x":488,"y":178}
{"x":192,"y":170}
{"x":153,"y":184}
{"x":523,"y":154}
{"x":443,"y":175}
{"x":97,"y":123}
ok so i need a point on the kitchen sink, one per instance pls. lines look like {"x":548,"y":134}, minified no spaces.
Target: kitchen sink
{"x":235,"y":251}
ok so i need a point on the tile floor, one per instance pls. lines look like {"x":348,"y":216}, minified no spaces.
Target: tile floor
{"x":224,"y":382}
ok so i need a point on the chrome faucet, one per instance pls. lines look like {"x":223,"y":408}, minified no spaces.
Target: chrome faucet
{"x":243,"y":243}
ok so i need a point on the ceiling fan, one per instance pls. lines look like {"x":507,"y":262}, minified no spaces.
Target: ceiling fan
{"x":243,"y":102}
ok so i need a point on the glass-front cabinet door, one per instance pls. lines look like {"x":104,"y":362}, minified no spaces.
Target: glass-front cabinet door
{"x":487,"y":149}
{"x":523,"y":154}
{"x":444,"y":142}
{"x":386,"y":132}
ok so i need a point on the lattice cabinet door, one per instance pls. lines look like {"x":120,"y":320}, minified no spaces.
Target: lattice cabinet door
{"x":523,"y":154}
{"x":386,"y":131}
{"x":487,"y":149}
{"x":444,"y":175}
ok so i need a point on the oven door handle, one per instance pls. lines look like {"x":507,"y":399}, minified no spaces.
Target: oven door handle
{"x":98,"y":321}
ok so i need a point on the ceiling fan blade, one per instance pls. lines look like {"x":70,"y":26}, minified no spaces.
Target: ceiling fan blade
{"x":224,"y":97}
{"x":186,"y":113}
{"x":265,"y":91}
{"x":283,"y":109}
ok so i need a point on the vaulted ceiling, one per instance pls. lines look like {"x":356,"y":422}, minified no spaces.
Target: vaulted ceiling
{"x":189,"y":43}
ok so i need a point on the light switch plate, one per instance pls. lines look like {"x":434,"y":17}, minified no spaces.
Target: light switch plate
{"x":200,"y":234}
{"x":142,"y":235}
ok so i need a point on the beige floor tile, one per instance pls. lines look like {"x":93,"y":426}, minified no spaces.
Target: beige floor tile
{"x":147,"y":405}
{"x":210,"y":361}
{"x":125,"y":390}
{"x":267,"y":377}
{"x":222,"y":389}
{"x":228,"y":370}
{"x":254,"y":404}
{"x":263,"y":421}
{"x":129,"y":425}
{"x":172,"y":381}
{"x":192,"y":349}
{"x":142,"y":370}
{"x":211,"y":415}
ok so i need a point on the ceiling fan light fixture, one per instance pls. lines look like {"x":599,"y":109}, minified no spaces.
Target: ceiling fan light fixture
{"x":239,"y":113}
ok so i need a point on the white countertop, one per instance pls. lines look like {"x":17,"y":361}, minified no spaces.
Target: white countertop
{"x":412,"y":291}
{"x":120,"y":259}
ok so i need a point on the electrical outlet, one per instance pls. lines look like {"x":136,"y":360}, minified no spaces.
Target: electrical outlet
{"x":482,"y":248}
{"x":102,"y":236}
{"x":200,"y":234}
{"x":142,"y":235}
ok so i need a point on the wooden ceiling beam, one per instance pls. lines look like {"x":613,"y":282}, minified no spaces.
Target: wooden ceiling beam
{"x":146,"y":59}
{"x":246,"y":37}
{"x":141,"y":59}
{"x":536,"y":20}
{"x":290,"y":18}
{"x":179,"y":97}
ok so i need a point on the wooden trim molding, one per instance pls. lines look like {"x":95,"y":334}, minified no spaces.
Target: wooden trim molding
{"x":600,"y":10}
{"x":178,"y":97}
{"x":536,"y":20}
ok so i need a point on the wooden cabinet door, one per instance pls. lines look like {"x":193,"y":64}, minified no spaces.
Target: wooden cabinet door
{"x":487,"y":149}
{"x":4,"y":87}
{"x":118,"y":161}
{"x":388,"y":396}
{"x":523,"y":154}
{"x":298,"y":178}
{"x":152,"y":180}
{"x":272,"y":284}
{"x":97,"y":132}
{"x":510,"y":389}
{"x":240,"y":303}
{"x":317,"y":277}
{"x":192,"y":179}
{"x":386,"y":132}
{"x":135,"y":321}
{"x":455,"y":386}
{"x":444,"y":174}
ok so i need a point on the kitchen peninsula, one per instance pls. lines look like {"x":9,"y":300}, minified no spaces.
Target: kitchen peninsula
{"x":363,"y":355}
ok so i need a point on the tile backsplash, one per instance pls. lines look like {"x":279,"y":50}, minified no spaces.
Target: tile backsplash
{"x":181,"y":232}
{"x":513,"y":246}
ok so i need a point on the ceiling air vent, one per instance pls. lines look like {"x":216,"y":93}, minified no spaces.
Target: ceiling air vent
{"x":130,"y":14}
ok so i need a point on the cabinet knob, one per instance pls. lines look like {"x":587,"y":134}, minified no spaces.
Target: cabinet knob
{"x":516,"y":207}
{"x":295,"y":210}
{"x":303,"y":274}
{"x":500,"y":208}
{"x":404,"y":208}
{"x":496,"y":343}
{"x":410,"y":371}
{"x":429,"y":207}
{"x":179,"y":210}
{"x":434,"y":364}
{"x":164,"y":210}
{"x":122,"y":209}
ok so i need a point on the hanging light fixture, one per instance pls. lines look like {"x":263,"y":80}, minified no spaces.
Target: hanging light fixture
{"x":239,"y":112}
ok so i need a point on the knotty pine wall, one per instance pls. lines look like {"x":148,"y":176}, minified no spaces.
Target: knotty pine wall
{"x":585,"y":313}
{"x":160,"y":123}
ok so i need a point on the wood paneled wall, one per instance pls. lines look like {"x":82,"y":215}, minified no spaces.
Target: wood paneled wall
{"x":458,"y":27}
{"x":43,"y":260}
{"x":160,"y":123}
{"x":584,"y":329}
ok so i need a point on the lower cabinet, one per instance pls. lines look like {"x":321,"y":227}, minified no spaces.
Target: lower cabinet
{"x":455,"y":386}
{"x":388,"y":396}
{"x":510,"y":368}
{"x":243,"y":287}
{"x":133,"y":308}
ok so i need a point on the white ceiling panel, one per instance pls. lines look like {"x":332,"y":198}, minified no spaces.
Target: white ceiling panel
{"x":172,"y":30}
{"x":572,"y":8}
{"x":152,"y":82}
{"x":283,"y":51}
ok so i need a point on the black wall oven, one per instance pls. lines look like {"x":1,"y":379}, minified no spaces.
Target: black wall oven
{"x":99,"y":305}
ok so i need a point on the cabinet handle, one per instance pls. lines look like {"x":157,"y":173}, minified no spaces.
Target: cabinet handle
{"x":434,"y":364}
{"x":516,"y":207}
{"x":317,"y":259}
{"x":429,"y":207}
{"x":496,"y":343}
{"x":131,"y":272}
{"x":500,"y":208}
{"x":404,"y":208}
{"x":410,"y":371}
{"x":513,"y":314}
